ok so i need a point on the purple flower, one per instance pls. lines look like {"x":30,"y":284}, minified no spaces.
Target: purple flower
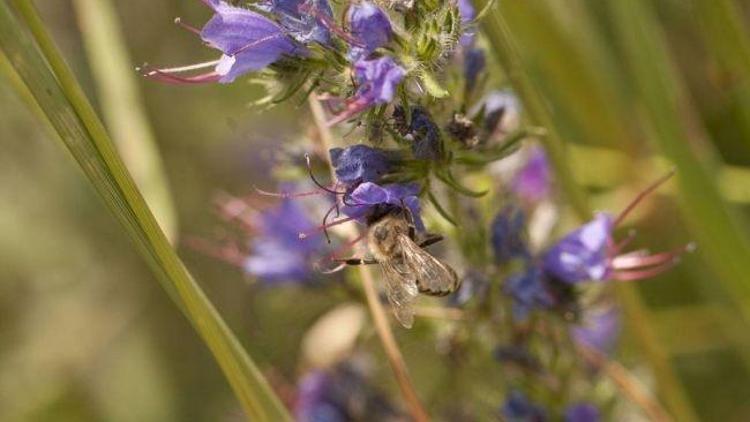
{"x":467,"y":13}
{"x":370,"y":27}
{"x":582,"y":412}
{"x":591,"y":253}
{"x":312,"y":404}
{"x":377,"y":81}
{"x":278,"y":254}
{"x":599,"y":329}
{"x":248,"y":40}
{"x":530,"y":291}
{"x":518,"y":408}
{"x":507,"y":235}
{"x":343,"y":393}
{"x":519,"y":355}
{"x":360,"y":163}
{"x":305,"y":20}
{"x":474,"y":285}
{"x":474,"y":63}
{"x":582,"y":255}
{"x":501,"y":112}
{"x":424,"y":134}
{"x":532,"y":182}
{"x":368,"y":199}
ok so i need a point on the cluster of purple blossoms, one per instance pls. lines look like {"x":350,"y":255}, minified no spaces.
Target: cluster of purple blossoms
{"x":341,"y":394}
{"x":518,"y":408}
{"x":274,"y":253}
{"x":586,"y":254}
{"x":359,"y":170}
{"x":369,"y":71}
{"x":251,"y":40}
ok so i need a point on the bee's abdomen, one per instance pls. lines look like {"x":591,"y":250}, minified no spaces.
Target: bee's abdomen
{"x":434,"y":292}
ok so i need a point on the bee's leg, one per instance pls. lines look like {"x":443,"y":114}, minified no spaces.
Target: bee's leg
{"x":430,"y":239}
{"x":357,"y":261}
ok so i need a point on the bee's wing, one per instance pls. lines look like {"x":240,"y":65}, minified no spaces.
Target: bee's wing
{"x":433,"y":277}
{"x":401,"y":289}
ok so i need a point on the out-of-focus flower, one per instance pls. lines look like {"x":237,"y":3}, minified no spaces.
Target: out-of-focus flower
{"x":502,"y":112}
{"x":360,"y":163}
{"x":370,"y":26}
{"x":377,"y":81}
{"x":369,"y":198}
{"x":305,"y":20}
{"x":421,"y":130}
{"x":582,"y":254}
{"x":474,"y":286}
{"x":530,"y":291}
{"x":517,"y":354}
{"x":582,"y":412}
{"x":312,"y":404}
{"x":533,"y":181}
{"x":590,"y":253}
{"x":248,"y":41}
{"x":518,"y":408}
{"x":599,"y":328}
{"x":507,"y":234}
{"x":341,"y":394}
{"x":474,"y":62}
{"x":278,"y":254}
{"x":468,"y":13}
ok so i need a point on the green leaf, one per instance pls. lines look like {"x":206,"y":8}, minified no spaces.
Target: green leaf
{"x":123,"y":107}
{"x":59,"y":96}
{"x":431,"y":85}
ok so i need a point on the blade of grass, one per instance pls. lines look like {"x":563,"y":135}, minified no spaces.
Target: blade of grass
{"x":729,"y":42}
{"x":721,"y":234}
{"x":62,"y":100}
{"x":505,"y":49}
{"x":570,"y":56}
{"x":123,"y":108}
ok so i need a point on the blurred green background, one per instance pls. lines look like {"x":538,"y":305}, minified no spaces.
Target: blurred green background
{"x":86,"y":333}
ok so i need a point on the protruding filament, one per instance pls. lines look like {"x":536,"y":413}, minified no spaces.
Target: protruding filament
{"x":178,"y":21}
{"x":642,"y":195}
{"x":639,"y":261}
{"x":229,"y":252}
{"x":304,"y":235}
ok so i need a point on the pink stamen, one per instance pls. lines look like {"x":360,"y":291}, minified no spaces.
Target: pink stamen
{"x":642,"y":274}
{"x":168,"y":76}
{"x":229,"y":253}
{"x":235,"y":209}
{"x":178,"y":21}
{"x":286,"y":195}
{"x":209,"y":3}
{"x":329,"y":24}
{"x":333,"y":256}
{"x":642,"y":195}
{"x":255,"y":43}
{"x":626,"y":262}
{"x":353,"y":108}
{"x":619,"y":246}
{"x":304,"y":235}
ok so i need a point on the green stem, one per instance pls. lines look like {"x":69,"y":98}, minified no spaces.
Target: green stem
{"x":60,"y":97}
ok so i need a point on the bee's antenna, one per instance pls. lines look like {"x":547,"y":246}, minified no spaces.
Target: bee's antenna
{"x":317,"y":183}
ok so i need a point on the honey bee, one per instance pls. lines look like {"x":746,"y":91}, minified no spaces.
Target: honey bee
{"x":408,"y":269}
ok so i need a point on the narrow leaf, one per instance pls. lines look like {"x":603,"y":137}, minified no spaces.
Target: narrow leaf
{"x":123,"y":107}
{"x":62,"y":100}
